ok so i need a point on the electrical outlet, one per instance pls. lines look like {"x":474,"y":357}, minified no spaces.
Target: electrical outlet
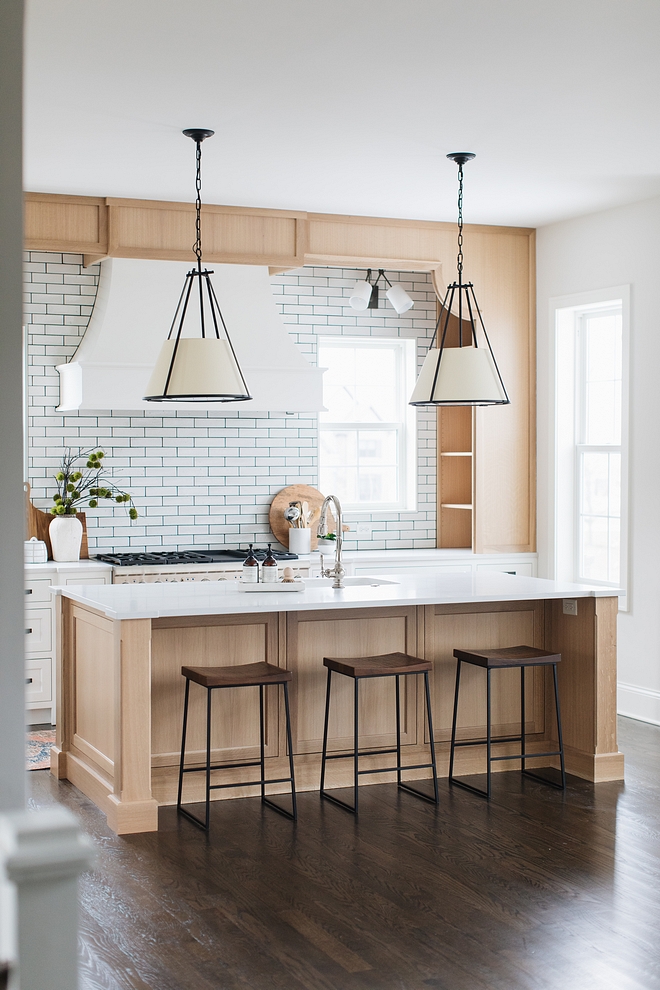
{"x":363,"y":529}
{"x":570,"y":606}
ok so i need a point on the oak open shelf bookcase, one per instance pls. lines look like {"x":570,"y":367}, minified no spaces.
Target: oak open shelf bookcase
{"x":455,"y":481}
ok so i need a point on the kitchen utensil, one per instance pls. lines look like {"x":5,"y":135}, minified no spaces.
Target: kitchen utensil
{"x":292,"y":513}
{"x":279,"y":526}
{"x":305,"y":514}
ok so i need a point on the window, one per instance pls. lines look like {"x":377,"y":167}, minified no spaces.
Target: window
{"x":598,"y":447}
{"x":367,"y":442}
{"x":591,"y":430}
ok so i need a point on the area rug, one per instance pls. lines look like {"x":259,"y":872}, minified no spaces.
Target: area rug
{"x":38,"y":749}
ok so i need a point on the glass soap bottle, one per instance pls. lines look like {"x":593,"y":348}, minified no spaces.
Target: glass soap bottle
{"x":269,"y":572}
{"x":250,"y":568}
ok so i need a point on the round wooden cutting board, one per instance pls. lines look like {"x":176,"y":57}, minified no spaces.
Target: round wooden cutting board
{"x":295,"y":493}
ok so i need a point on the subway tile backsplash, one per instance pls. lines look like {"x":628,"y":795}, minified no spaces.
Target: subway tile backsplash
{"x":207,"y":479}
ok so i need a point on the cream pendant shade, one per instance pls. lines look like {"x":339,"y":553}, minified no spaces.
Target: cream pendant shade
{"x":204,"y":369}
{"x":456,"y":376}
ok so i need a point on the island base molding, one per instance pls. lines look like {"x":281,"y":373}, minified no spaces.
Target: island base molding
{"x":123,"y":817}
{"x":122,"y":694}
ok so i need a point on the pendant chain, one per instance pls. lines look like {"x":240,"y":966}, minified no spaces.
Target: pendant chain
{"x":459,"y":260}
{"x":197,"y":247}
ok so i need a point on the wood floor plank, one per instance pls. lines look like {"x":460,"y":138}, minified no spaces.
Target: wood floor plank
{"x":535,"y":890}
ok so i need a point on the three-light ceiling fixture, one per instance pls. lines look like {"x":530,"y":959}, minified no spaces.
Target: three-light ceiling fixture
{"x":458,"y":372}
{"x":203,"y":367}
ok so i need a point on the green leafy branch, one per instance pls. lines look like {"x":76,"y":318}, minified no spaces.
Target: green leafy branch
{"x":75,"y":486}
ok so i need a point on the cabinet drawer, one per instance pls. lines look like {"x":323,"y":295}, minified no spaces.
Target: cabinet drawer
{"x":86,"y":580}
{"x":38,"y":680}
{"x":38,"y":631}
{"x":37,"y":591}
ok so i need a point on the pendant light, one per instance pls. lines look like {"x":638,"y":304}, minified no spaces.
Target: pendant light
{"x":466,"y":375}
{"x":202,"y":368}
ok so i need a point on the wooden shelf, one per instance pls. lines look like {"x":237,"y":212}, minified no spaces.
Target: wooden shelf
{"x":455,"y":498}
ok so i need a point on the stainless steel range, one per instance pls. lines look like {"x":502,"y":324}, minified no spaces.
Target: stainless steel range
{"x":188,"y":565}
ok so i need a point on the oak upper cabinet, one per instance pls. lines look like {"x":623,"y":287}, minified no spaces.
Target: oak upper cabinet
{"x":487,"y":455}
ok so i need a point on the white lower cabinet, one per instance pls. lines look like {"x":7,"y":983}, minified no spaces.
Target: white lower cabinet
{"x":41,"y":630}
{"x":39,"y":681}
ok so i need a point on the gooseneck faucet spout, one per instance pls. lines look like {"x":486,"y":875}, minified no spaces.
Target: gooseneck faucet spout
{"x":337,"y":572}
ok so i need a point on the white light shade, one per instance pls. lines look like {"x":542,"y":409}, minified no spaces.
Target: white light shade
{"x":399,"y":298}
{"x":466,"y":376}
{"x":204,"y":369}
{"x":360,"y":295}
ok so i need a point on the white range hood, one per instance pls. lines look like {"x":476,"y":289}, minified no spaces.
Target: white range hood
{"x":132,"y":316}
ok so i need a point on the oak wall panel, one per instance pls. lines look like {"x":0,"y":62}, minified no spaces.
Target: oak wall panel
{"x":312,"y":636}
{"x":235,"y":720}
{"x":487,"y":627}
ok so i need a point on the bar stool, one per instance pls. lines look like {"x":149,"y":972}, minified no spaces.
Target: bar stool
{"x":390,"y":665}
{"x":241,"y":675}
{"x":514,"y":656}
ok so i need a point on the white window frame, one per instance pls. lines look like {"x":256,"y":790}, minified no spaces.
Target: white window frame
{"x":566,"y":313}
{"x":405,"y":425}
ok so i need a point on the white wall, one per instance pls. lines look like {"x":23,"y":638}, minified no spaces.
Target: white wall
{"x":613,"y":248}
{"x":207,"y":478}
{"x":12,"y":676}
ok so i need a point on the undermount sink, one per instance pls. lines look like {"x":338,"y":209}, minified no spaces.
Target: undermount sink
{"x":349,"y":582}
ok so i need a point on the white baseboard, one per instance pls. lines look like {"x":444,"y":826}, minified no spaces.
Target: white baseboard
{"x":640,"y":703}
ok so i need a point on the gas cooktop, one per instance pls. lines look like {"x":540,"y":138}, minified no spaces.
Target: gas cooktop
{"x":226,"y":555}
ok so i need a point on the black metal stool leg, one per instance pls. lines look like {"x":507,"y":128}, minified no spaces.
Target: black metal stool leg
{"x":452,"y":746}
{"x":206,"y":769}
{"x":356,"y":739}
{"x":559,"y":732}
{"x":289,"y":741}
{"x":398,"y":732}
{"x":356,"y":754}
{"x":489,"y":741}
{"x":183,"y":745}
{"x":429,"y":719}
{"x":559,"y":752}
{"x":325,"y":795}
{"x":408,"y":787}
{"x":293,"y":814}
{"x":523,"y":733}
{"x":325,"y":732}
{"x":207,"y":821}
{"x":262,"y":752}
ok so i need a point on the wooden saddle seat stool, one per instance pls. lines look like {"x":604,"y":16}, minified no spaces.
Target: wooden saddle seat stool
{"x":236,"y":676}
{"x":389,"y":665}
{"x":514,"y":656}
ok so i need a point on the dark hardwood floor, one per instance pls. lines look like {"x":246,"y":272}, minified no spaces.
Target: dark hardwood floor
{"x":536,"y":891}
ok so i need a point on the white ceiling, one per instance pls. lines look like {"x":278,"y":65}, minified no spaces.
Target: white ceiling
{"x":348,"y":106}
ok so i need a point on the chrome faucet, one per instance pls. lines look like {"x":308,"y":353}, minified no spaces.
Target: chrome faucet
{"x":337,"y":572}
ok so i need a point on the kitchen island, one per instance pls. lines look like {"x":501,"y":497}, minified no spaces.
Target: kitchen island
{"x":121,"y":690}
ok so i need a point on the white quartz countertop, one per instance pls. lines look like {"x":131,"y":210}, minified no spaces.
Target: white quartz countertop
{"x":148,"y":601}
